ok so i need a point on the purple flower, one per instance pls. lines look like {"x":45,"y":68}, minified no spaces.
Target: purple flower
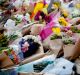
{"x":48,"y":19}
{"x":37,"y":16}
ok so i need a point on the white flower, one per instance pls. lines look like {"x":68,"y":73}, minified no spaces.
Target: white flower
{"x":36,"y":39}
{"x":18,"y":3}
{"x":18,"y":16}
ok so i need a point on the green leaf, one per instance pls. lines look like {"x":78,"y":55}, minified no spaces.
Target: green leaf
{"x":56,"y":37}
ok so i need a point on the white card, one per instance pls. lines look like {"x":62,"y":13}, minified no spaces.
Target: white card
{"x":9,"y":24}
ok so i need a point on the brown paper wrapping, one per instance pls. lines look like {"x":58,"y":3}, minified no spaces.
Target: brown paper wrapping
{"x":76,"y":50}
{"x":54,"y":45}
{"x":36,"y":29}
{"x":68,"y":50}
{"x":39,"y":54}
{"x":5,"y":61}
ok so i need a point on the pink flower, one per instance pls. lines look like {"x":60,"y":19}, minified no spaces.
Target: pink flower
{"x":25,"y":47}
{"x":68,"y":20}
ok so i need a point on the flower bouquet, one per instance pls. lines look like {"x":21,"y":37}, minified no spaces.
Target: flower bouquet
{"x":69,"y":44}
{"x":4,"y":4}
{"x":29,"y":45}
{"x":8,"y":57}
{"x":56,"y":43}
{"x":75,"y":29}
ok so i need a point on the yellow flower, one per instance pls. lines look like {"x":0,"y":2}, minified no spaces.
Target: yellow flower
{"x":78,"y":5}
{"x":63,"y":22}
{"x":46,"y":6}
{"x":65,"y":14}
{"x":45,"y":9}
{"x":57,"y":30}
{"x":57,"y":4}
{"x":39,"y":6}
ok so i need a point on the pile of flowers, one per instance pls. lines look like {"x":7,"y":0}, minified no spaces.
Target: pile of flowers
{"x":62,"y":19}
